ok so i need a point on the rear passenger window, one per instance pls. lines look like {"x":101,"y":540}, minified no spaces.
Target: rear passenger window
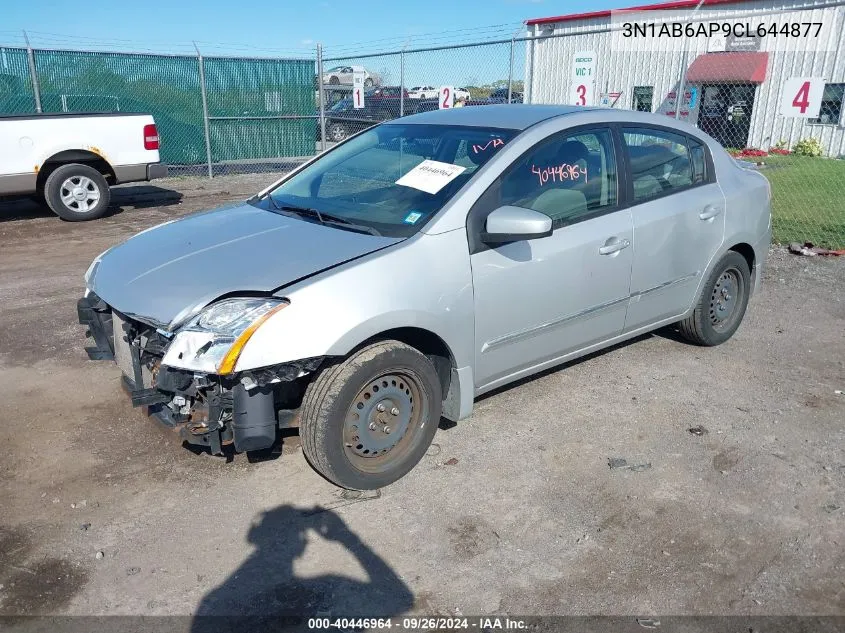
{"x":660,"y":161}
{"x":699,"y":169}
{"x":568,"y":177}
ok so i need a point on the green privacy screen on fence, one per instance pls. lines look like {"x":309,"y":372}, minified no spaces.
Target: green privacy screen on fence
{"x":258,"y":92}
{"x":15,"y":85}
{"x":248,"y":100}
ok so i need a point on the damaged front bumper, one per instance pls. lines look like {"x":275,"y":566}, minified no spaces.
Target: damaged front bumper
{"x":244,"y":410}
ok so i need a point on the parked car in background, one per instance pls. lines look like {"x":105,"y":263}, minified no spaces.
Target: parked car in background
{"x":500,"y":95}
{"x":70,"y":160}
{"x":462,"y":93}
{"x":423,"y":92}
{"x":387,"y":92}
{"x":426,"y":262}
{"x":343,"y":75}
{"x":343,"y":120}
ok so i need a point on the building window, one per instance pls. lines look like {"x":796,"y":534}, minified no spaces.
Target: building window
{"x":642,"y":98}
{"x":831,"y":109}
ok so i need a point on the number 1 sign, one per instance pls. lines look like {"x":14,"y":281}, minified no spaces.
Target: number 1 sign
{"x":802,"y":97}
{"x":358,"y":89}
{"x":446,"y":97}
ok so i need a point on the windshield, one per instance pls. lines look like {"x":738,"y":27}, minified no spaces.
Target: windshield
{"x":379,"y":178}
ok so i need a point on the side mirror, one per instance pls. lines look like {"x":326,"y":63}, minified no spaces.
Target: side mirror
{"x":514,"y":224}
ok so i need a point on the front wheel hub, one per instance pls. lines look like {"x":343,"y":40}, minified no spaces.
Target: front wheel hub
{"x":380,"y":415}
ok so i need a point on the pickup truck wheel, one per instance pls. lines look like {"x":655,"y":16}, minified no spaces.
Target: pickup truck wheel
{"x":77,"y":192}
{"x":722,"y":304}
{"x":368,"y":420}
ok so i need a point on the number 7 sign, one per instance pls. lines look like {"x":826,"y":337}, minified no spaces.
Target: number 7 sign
{"x":802,"y":97}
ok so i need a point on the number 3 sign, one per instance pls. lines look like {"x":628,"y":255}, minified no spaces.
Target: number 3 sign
{"x":802,"y":97}
{"x":582,"y":93}
{"x":446,"y":97}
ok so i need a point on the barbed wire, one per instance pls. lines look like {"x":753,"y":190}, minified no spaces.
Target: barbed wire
{"x":69,"y":41}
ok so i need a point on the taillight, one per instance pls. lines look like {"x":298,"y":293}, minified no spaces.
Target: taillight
{"x":150,"y":137}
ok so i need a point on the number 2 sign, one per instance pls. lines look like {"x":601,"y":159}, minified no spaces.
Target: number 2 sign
{"x":446,"y":97}
{"x":802,"y":97}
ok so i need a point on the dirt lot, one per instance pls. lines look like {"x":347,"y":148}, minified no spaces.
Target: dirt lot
{"x":515,"y":510}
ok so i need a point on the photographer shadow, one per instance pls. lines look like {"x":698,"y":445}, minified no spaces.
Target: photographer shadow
{"x":264,"y":593}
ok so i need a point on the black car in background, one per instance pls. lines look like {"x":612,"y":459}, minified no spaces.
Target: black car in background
{"x":382,"y":104}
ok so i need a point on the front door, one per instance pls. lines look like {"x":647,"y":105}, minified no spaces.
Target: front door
{"x":538,"y":300}
{"x":679,"y":222}
{"x":725,"y":113}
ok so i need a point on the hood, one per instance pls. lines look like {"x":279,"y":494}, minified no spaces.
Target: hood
{"x":166,"y":274}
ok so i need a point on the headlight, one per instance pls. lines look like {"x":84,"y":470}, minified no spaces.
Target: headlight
{"x":213,"y":340}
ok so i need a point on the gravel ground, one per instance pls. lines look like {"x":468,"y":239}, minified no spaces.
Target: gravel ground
{"x":515,"y":510}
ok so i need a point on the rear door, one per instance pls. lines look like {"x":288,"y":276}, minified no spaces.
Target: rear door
{"x":679,"y":220}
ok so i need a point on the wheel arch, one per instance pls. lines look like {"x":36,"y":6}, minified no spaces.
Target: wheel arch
{"x":427,"y":342}
{"x":81,"y":156}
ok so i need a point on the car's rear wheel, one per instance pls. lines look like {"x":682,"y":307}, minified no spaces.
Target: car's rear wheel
{"x":722,"y":304}
{"x":368,"y":82}
{"x":337,"y":132}
{"x":368,"y":420}
{"x":334,"y":80}
{"x":77,"y":192}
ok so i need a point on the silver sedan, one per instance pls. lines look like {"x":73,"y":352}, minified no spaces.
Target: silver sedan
{"x":421,"y":263}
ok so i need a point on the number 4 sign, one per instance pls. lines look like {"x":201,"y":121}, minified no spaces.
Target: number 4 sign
{"x":802,"y":97}
{"x":446,"y":97}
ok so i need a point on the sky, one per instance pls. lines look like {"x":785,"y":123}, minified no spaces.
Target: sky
{"x":284,"y":28}
{"x":281,"y":25}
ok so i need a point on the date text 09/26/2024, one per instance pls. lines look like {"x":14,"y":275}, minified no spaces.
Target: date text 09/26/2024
{"x":418,"y":623}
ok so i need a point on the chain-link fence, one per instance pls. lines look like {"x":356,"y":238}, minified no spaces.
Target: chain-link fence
{"x":219,"y":114}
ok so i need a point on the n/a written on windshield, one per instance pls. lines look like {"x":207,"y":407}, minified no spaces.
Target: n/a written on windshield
{"x":431,"y":176}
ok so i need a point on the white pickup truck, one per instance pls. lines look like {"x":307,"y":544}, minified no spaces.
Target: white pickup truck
{"x":70,"y":160}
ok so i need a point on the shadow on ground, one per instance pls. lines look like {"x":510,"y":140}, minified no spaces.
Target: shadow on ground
{"x":138,"y":197}
{"x":265,"y":592}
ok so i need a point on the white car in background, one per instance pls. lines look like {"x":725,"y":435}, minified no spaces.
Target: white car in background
{"x":343,"y":75}
{"x":462,"y":93}
{"x":423,"y":92}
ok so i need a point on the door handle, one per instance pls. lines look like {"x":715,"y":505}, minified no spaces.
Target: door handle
{"x":615,"y":247}
{"x":709,"y":212}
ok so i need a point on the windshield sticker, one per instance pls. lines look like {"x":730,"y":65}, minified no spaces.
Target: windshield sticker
{"x":412,"y":217}
{"x":492,"y":143}
{"x":431,"y":176}
{"x":561,"y":172}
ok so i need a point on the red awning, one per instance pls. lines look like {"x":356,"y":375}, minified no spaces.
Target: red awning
{"x":721,"y":67}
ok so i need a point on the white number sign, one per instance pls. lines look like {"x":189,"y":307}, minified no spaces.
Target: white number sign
{"x":802,"y":97}
{"x":582,"y":93}
{"x":446,"y":97}
{"x":358,"y":89}
{"x":583,"y":78}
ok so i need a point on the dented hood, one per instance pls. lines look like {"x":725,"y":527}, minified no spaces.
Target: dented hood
{"x":166,"y":274}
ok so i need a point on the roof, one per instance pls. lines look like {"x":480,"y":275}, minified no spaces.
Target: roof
{"x":736,"y":66}
{"x":676,"y":4}
{"x":514,"y":116}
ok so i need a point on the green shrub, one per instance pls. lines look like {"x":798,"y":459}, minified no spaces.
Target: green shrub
{"x":808,"y":147}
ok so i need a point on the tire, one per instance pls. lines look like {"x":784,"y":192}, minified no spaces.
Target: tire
{"x":337,"y":132}
{"x":77,"y":192}
{"x":722,"y":304}
{"x":388,"y":383}
{"x":334,"y":80}
{"x":368,"y":82}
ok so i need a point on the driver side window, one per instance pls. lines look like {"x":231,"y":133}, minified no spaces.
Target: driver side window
{"x":569,"y":177}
